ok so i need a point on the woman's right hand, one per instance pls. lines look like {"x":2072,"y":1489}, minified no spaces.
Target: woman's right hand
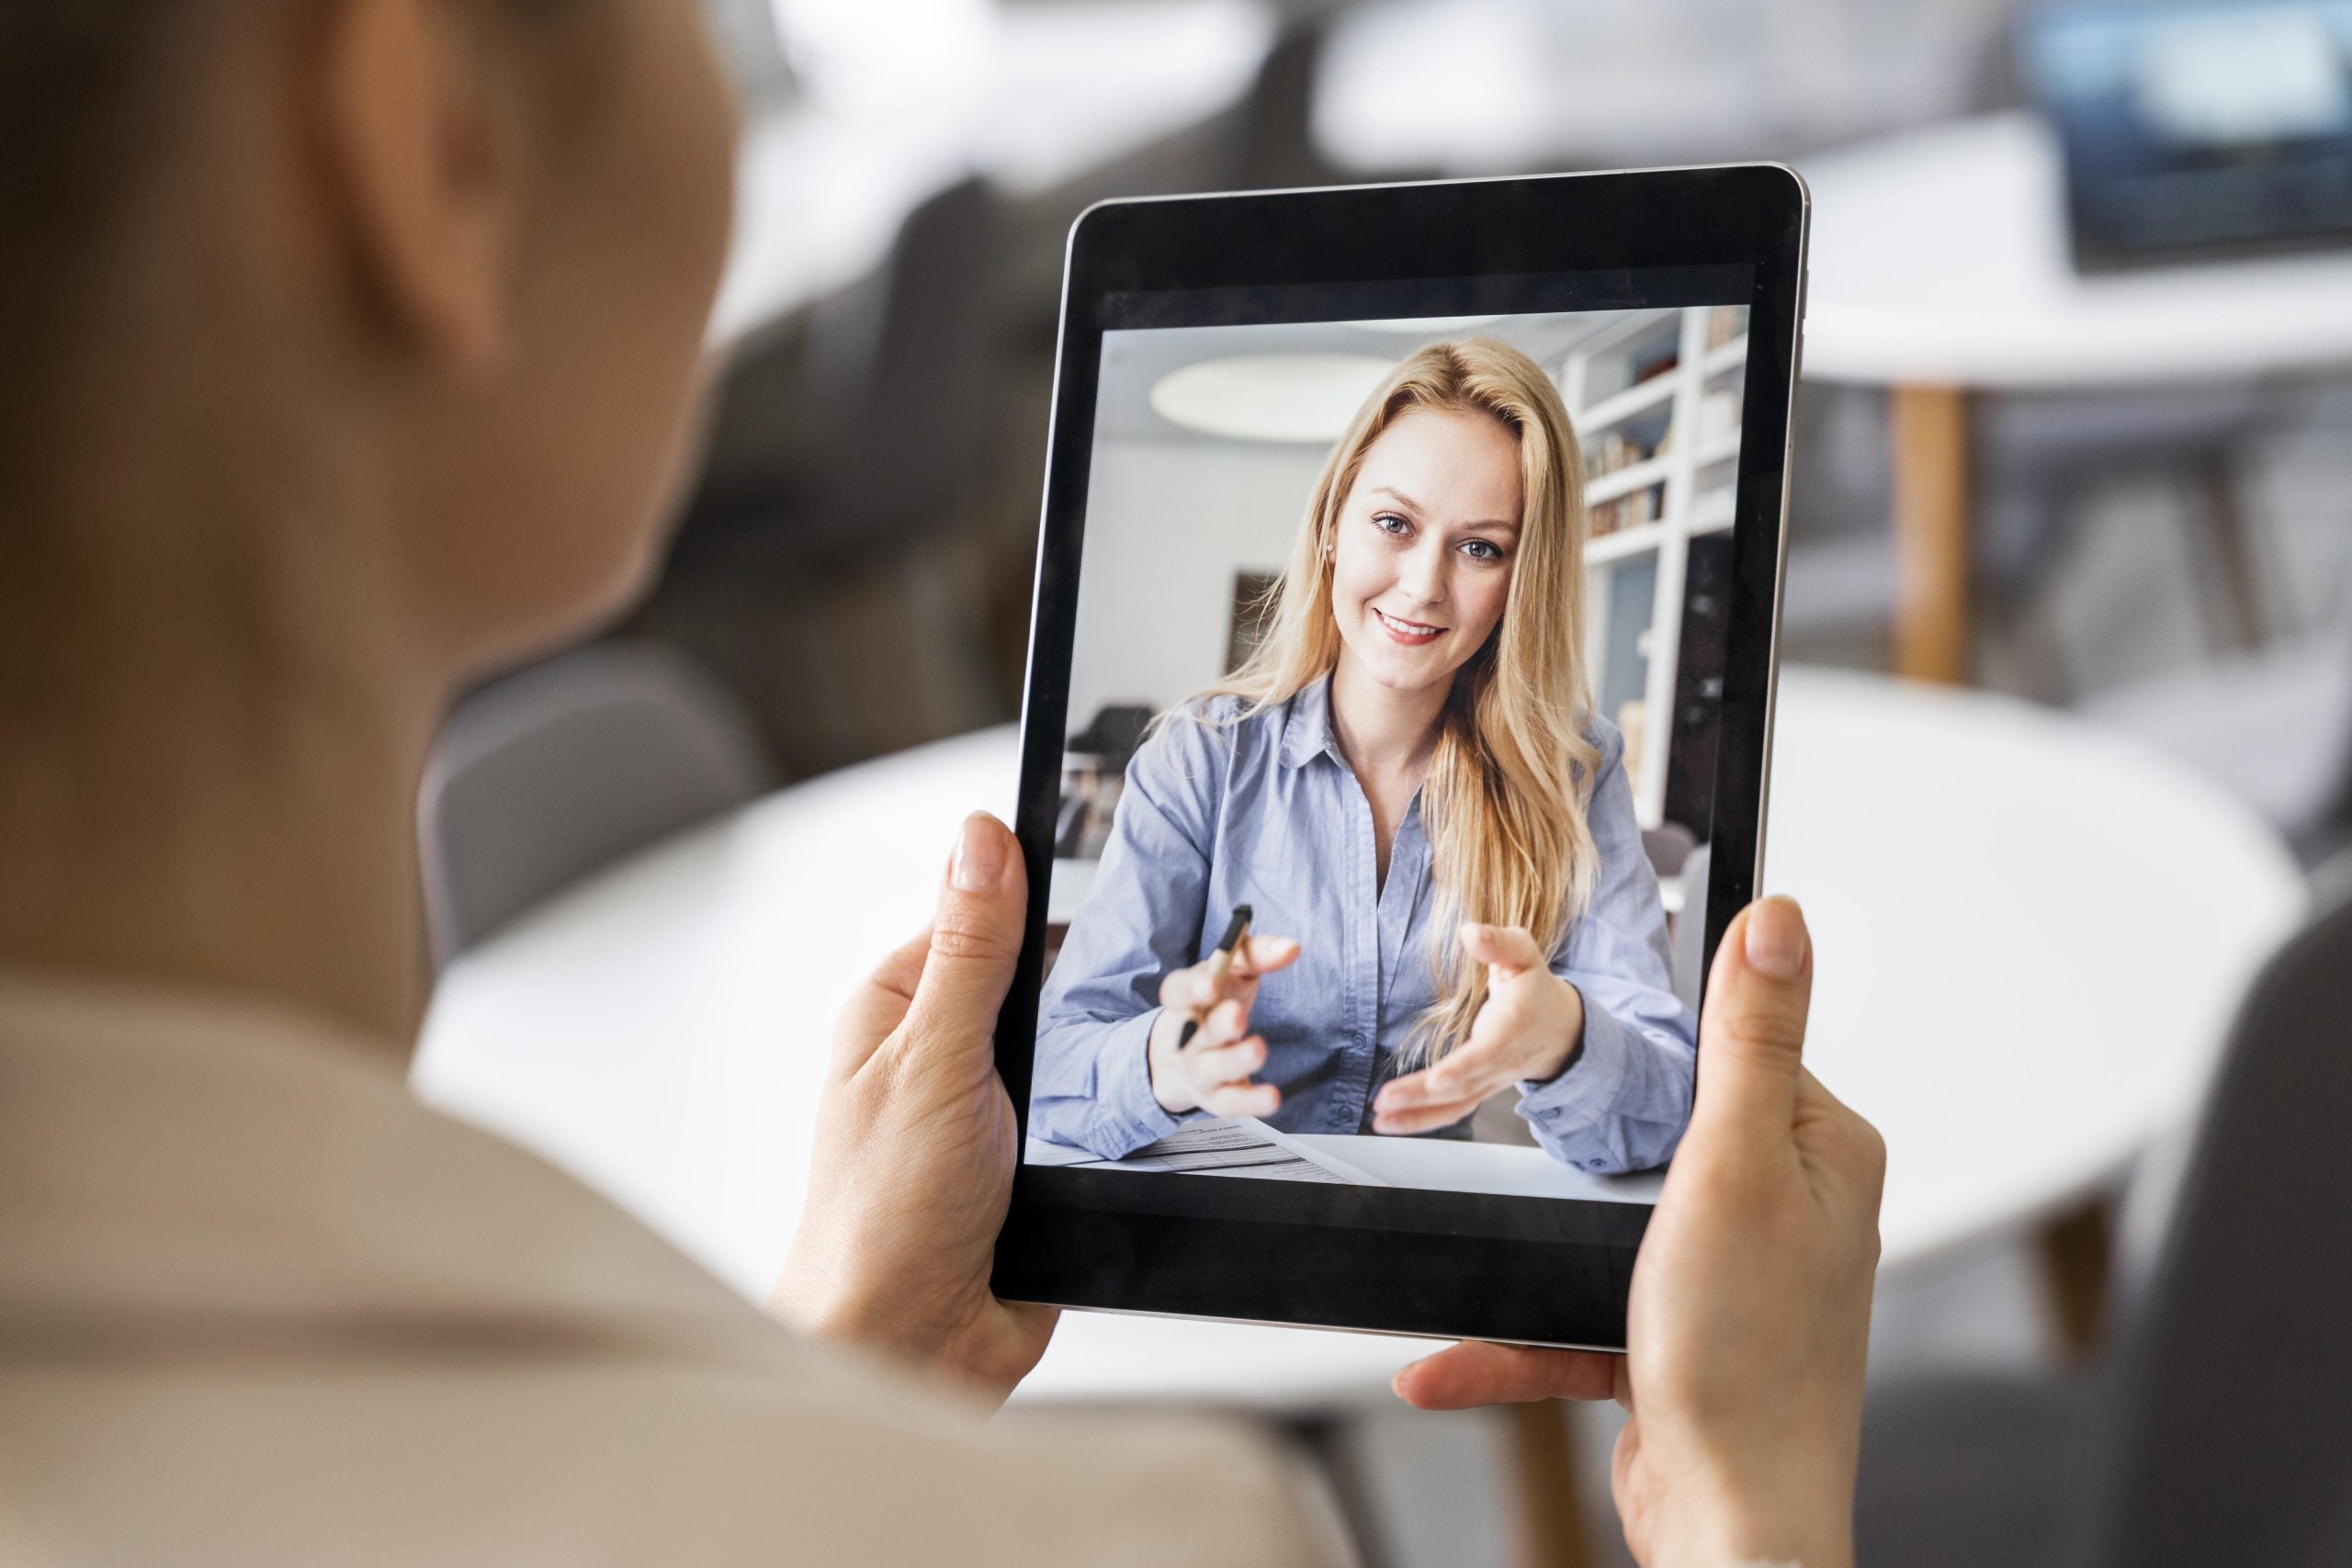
{"x":1212,"y":1072}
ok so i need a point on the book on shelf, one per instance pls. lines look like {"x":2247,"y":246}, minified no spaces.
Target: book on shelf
{"x":1626,"y":512}
{"x":1613,"y":452}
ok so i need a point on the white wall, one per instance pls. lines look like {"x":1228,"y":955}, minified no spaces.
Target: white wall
{"x":1168,"y":527}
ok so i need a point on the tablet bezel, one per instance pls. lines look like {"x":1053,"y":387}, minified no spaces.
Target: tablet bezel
{"x":1534,"y":1271}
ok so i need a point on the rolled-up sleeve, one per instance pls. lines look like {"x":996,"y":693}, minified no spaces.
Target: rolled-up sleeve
{"x":1622,"y":1104}
{"x":1091,"y":1088}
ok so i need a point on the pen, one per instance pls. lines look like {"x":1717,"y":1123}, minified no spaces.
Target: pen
{"x":1220,"y":965}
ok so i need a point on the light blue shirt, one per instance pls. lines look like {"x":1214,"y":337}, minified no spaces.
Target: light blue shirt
{"x":1265,"y":811}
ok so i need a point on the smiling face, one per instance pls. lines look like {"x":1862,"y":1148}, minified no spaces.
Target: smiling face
{"x":1423,"y":545}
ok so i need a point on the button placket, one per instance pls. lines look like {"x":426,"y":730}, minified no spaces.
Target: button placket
{"x":1363,"y":958}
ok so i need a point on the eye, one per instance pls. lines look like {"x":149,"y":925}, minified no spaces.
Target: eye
{"x":1482,"y":549}
{"x":1389,"y":523}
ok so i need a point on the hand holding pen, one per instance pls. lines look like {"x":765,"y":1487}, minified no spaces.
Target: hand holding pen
{"x":1201,"y":1052}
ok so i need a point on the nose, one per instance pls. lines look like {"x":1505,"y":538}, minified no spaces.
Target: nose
{"x":1422,"y":574}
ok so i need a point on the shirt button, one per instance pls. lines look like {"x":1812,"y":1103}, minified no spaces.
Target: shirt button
{"x":1594,"y":1164}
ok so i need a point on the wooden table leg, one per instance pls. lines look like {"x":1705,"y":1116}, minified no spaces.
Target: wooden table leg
{"x":1929,"y":432}
{"x":1551,"y":1530}
{"x":2077,"y":1248}
{"x":2230,"y":541}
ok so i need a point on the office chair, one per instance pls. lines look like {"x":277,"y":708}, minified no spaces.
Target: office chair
{"x":826,"y":568}
{"x":2218,"y":1430}
{"x":551,"y":775}
{"x":2273,"y":726}
{"x":2042,"y":458}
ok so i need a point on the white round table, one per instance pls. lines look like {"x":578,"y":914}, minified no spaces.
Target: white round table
{"x":1939,"y":257}
{"x":2030,"y":937}
{"x":1939,"y":269}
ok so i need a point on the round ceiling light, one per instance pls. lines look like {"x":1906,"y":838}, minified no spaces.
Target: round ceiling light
{"x":1426,"y":326}
{"x":1270,"y":397}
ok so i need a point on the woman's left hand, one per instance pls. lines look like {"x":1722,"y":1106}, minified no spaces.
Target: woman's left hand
{"x":1527,"y":1030}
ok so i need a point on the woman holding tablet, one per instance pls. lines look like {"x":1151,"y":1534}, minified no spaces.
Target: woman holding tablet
{"x":352,"y":346}
{"x":1434,"y":834}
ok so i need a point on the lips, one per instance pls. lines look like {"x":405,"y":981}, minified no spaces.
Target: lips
{"x":1412,"y":634}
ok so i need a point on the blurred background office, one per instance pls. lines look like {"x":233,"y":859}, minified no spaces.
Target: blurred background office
{"x":2074,"y":438}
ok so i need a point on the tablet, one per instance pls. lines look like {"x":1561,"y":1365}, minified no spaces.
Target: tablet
{"x":1398,"y":714}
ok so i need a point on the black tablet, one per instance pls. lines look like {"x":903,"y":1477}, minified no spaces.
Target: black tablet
{"x":1398,"y":714}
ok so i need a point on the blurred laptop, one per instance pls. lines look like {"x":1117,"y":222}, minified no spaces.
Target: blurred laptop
{"x":2195,"y":128}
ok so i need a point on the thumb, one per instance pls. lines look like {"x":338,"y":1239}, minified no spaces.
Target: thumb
{"x":1751,"y":1035}
{"x":974,"y":938}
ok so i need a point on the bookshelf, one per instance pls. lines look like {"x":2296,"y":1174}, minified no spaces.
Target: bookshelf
{"x":1655,"y":398}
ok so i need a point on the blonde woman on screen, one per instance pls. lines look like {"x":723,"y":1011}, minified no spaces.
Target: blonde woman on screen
{"x":1406,"y":781}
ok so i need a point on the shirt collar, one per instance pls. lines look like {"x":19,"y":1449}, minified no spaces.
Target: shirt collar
{"x":1306,"y":724}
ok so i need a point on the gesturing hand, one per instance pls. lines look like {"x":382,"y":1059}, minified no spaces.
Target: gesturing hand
{"x":1525,"y":1031}
{"x":914,"y":1149}
{"x":1751,"y":1308}
{"x":1211,"y":1072}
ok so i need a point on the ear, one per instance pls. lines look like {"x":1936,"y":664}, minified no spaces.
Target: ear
{"x":427,"y":167}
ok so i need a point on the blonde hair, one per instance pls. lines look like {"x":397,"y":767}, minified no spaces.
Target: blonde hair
{"x":1504,"y":800}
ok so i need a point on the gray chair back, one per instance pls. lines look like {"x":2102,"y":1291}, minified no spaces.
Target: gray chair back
{"x":2229,"y":1420}
{"x":550,"y":774}
{"x":869,"y":427}
{"x":1691,"y":927}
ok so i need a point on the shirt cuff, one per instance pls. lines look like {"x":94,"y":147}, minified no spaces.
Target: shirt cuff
{"x":1581,"y":1097}
{"x":1132,"y":1115}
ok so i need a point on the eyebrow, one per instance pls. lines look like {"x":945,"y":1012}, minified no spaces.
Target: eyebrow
{"x":1507,"y":524}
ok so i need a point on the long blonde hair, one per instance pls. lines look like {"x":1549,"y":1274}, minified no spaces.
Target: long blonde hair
{"x":1505,"y":799}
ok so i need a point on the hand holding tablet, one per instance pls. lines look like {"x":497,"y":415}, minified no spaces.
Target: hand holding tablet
{"x":1750,"y":1314}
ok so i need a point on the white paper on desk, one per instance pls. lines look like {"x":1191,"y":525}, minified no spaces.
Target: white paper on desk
{"x":1228,"y":1146}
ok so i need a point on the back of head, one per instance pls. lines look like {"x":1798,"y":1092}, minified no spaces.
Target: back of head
{"x":350,"y":347}
{"x":419,"y":281}
{"x":84,"y":95}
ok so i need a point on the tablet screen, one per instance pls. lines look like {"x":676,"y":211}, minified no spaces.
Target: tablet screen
{"x":1387,"y":794}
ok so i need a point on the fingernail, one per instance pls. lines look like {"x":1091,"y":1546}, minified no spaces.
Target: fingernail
{"x":1776,"y":939}
{"x":979,"y":855}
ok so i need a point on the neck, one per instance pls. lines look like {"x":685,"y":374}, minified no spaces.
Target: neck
{"x":200,"y":786}
{"x":1381,"y":730}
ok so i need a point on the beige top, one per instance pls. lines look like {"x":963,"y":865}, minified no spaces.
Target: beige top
{"x":257,"y":1305}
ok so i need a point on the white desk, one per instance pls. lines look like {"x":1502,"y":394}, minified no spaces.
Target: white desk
{"x":1055,"y":91}
{"x":2030,"y":936}
{"x":1939,"y":269}
{"x":1443,"y":1164}
{"x":1939,"y":257}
